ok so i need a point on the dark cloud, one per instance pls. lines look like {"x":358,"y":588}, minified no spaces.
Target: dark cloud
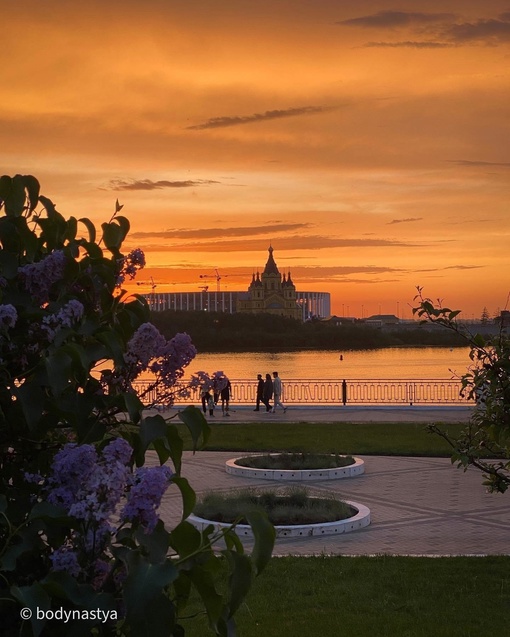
{"x":490,"y":31}
{"x":397,"y":19}
{"x":465,"y":162}
{"x":210,"y":233}
{"x":296,"y":242}
{"x":148,"y":184}
{"x":390,"y":223}
{"x":444,"y":29}
{"x":410,"y":44}
{"x":221,"y":122}
{"x":451,"y":267}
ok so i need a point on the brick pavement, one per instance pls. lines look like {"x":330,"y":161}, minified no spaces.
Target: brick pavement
{"x":419,"y":506}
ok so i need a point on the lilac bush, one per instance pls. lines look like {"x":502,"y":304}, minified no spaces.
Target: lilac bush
{"x":79,"y":520}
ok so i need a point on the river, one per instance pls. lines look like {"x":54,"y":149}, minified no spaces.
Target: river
{"x":441,"y":363}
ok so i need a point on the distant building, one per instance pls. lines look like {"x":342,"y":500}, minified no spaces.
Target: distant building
{"x":268,"y":292}
{"x":271,"y":293}
{"x":378,"y":320}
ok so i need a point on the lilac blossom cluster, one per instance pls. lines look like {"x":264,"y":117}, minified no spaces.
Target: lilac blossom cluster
{"x":130,"y":265}
{"x":144,"y":496}
{"x":149,"y":351}
{"x":177,"y":354}
{"x":38,"y":278}
{"x":68,"y":315}
{"x":90,"y":486}
{"x":8,"y":315}
{"x":214,"y":382}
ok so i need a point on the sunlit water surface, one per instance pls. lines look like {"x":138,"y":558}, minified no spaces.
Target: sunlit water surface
{"x":389,"y":363}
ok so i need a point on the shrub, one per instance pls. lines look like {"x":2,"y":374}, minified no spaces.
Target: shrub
{"x":79,"y":527}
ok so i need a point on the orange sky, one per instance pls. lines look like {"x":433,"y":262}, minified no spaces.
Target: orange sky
{"x":368,"y":141}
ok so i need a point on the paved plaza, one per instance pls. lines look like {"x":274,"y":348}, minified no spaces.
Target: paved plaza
{"x":419,"y":506}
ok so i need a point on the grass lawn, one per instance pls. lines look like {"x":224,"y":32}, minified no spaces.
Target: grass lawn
{"x":376,"y":597}
{"x":384,"y":439}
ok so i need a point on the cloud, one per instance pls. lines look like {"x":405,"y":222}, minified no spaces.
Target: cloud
{"x":390,"y":223}
{"x":210,"y":233}
{"x":296,"y":242}
{"x":445,"y":28}
{"x":411,"y":44}
{"x":393,"y":19}
{"x":221,"y":122}
{"x":148,"y":184}
{"x":465,"y":162}
{"x":490,"y":31}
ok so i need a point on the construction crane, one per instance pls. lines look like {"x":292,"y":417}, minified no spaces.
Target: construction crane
{"x":216,"y":276}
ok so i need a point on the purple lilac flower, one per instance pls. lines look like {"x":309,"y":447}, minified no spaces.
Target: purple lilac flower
{"x":177,"y":354}
{"x":118,"y":450}
{"x":201,"y":379}
{"x":67,"y":316}
{"x":146,"y":344}
{"x":39,"y":277}
{"x":65,"y":559}
{"x":33,"y":478}
{"x":101,"y":572}
{"x":89,"y":487}
{"x":220,"y":381}
{"x":145,"y":496}
{"x":8,"y":315}
{"x":71,"y":313}
{"x":71,"y":470}
{"x":130,"y":265}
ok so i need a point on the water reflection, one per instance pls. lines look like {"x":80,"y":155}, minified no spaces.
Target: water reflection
{"x":389,"y":363}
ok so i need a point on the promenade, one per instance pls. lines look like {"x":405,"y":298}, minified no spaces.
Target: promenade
{"x":419,"y":506}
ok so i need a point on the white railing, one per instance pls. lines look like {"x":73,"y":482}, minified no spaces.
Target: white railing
{"x":342,"y":391}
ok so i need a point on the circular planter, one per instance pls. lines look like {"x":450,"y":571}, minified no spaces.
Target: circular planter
{"x":358,"y":521}
{"x":335,"y":473}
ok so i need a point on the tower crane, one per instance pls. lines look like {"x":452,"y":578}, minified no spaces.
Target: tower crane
{"x":216,"y":276}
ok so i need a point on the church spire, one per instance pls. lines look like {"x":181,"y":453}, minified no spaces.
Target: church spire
{"x":271,"y":267}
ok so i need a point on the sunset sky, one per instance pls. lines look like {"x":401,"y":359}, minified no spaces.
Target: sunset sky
{"x":367,"y":141}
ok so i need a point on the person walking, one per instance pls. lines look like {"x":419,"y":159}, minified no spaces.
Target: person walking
{"x":260,"y":392}
{"x":267,"y":392}
{"x":277,"y":390}
{"x":210,"y":403}
{"x":225,"y":398}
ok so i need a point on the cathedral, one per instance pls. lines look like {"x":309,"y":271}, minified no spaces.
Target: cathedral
{"x":272,"y":293}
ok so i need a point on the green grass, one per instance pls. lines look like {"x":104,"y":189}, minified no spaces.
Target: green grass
{"x":295,"y":461}
{"x":385,"y":439}
{"x":287,"y":505}
{"x":376,"y":597}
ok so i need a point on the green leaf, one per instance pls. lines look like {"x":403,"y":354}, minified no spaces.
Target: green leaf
{"x":143,"y":586}
{"x":204,"y":583}
{"x":189,"y":497}
{"x":59,"y":368}
{"x":12,"y":192}
{"x":185,"y":539}
{"x":155,"y":543}
{"x":8,"y":264}
{"x":133,"y":405}
{"x":175,"y":446}
{"x":90,"y":227}
{"x":33,"y":188}
{"x":240,"y":580}
{"x":32,"y":399}
{"x":265,"y":535}
{"x":198,"y":427}
{"x":114,"y":233}
{"x":33,"y":597}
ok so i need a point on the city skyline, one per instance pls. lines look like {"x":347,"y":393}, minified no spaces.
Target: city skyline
{"x":367,"y":143}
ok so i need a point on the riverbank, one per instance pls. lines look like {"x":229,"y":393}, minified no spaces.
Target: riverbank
{"x":222,"y":332}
